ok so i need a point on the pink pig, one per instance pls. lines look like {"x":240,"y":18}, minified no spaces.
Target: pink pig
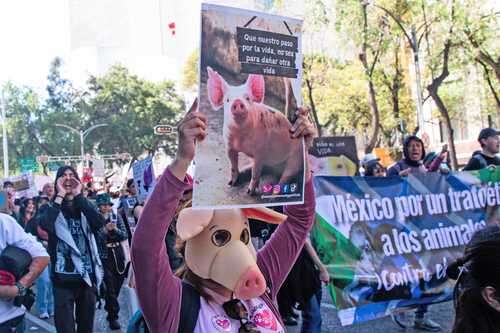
{"x":253,"y":128}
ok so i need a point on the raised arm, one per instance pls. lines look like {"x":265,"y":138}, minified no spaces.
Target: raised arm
{"x":279,"y":254}
{"x":159,"y":291}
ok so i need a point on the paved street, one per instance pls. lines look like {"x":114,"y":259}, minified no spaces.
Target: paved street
{"x":442,"y":313}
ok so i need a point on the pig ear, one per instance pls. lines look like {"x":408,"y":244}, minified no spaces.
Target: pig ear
{"x":264,"y":214}
{"x":256,"y":87}
{"x":192,"y":221}
{"x":216,"y":88}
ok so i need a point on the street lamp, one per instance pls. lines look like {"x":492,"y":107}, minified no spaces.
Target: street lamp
{"x":83,"y":135}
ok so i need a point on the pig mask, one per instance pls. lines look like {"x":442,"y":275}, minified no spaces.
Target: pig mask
{"x":219,"y":248}
{"x":235,"y":99}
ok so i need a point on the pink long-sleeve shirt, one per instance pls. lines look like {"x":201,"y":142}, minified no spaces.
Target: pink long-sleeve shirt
{"x":159,"y":290}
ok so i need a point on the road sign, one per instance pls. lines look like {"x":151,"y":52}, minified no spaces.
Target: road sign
{"x":164,"y":130}
{"x":28,"y":164}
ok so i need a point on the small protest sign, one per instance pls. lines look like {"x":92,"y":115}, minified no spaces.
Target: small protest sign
{"x":144,"y":178}
{"x":3,"y":200}
{"x":334,"y":156}
{"x":24,"y":185}
{"x":98,"y":166}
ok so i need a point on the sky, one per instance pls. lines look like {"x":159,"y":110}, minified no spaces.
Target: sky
{"x":91,"y":35}
{"x":33,"y":33}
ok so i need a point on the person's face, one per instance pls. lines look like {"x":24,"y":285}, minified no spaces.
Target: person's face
{"x":132,"y":190}
{"x":68,"y":177}
{"x":491,"y":144}
{"x":30,"y":206}
{"x":415,"y":150}
{"x":105,"y":209}
{"x":379,"y":171}
{"x":48,"y":190}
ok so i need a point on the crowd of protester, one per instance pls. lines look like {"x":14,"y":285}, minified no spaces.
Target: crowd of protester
{"x":87,"y":234}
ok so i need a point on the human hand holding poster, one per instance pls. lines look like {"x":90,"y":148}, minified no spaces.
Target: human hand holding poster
{"x":387,"y":241}
{"x":250,"y":74}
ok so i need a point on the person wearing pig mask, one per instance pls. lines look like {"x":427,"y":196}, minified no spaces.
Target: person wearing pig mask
{"x":236,"y":287}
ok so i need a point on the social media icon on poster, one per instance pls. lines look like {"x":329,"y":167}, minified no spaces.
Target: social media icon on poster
{"x":277,"y":189}
{"x":293,"y":188}
{"x":267,"y":188}
{"x":286,"y":188}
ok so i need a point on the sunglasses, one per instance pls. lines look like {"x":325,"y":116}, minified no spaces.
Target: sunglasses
{"x":236,"y":310}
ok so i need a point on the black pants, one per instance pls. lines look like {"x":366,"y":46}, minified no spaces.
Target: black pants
{"x":11,"y":325}
{"x":114,"y":274}
{"x":69,"y":302}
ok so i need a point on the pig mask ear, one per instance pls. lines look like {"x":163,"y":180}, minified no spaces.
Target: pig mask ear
{"x":256,"y":87}
{"x":216,"y":88}
{"x":264,"y":214}
{"x":192,"y":221}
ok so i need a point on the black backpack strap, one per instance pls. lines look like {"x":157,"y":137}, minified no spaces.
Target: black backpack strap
{"x":190,"y":308}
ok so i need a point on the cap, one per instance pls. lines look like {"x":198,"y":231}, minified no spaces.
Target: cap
{"x":487,"y":132}
{"x":369,"y":159}
{"x":103,"y":199}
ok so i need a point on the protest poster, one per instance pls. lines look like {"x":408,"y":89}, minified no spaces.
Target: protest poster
{"x":24,"y":184}
{"x":144,"y":178}
{"x":387,"y":241}
{"x":334,"y":156}
{"x":98,"y":168}
{"x":250,"y":75}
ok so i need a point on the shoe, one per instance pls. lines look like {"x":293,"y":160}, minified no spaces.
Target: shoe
{"x":114,"y":325}
{"x":426,"y":324}
{"x":290,"y":321}
{"x":401,"y":319}
{"x":44,"y":315}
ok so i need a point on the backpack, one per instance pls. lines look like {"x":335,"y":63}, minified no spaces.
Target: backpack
{"x":190,"y":307}
{"x":482,"y":161}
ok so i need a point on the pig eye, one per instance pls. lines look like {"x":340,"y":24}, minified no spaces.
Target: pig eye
{"x":248,"y":99}
{"x":227,"y":100}
{"x":221,"y":237}
{"x":245,"y":236}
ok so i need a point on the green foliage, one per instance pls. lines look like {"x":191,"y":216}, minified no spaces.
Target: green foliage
{"x":190,"y":72}
{"x":131,"y":107}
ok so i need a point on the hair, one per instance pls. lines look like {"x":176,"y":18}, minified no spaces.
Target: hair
{"x":23,"y":206}
{"x":8,"y":183}
{"x":130,"y":182}
{"x":407,"y":142}
{"x":60,"y":173}
{"x":370,"y":168}
{"x":478,"y":268}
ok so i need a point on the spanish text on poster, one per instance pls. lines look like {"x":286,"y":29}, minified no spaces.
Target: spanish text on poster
{"x":250,"y":75}
{"x":387,"y":241}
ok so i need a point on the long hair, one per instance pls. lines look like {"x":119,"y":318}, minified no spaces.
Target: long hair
{"x":477,"y":269}
{"x":22,"y":210}
{"x":60,"y":173}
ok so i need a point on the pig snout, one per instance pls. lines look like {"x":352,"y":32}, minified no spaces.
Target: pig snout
{"x":238,"y":109}
{"x":250,"y":285}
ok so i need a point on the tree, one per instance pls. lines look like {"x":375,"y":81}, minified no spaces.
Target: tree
{"x":190,"y":73}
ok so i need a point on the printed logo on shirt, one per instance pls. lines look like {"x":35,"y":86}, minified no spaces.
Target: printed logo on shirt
{"x":263,"y":317}
{"x":221,"y":323}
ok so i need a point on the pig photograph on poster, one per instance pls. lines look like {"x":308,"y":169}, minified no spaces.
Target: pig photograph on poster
{"x":250,"y":79}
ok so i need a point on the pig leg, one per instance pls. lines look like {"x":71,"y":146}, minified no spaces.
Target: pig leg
{"x":292,"y":167}
{"x":233,"y":159}
{"x":256,"y":172}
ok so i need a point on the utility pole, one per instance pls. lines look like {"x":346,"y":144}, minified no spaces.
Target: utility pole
{"x":413,"y":41}
{"x":5,"y":140}
{"x":418,"y":79}
{"x":82,"y":135}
